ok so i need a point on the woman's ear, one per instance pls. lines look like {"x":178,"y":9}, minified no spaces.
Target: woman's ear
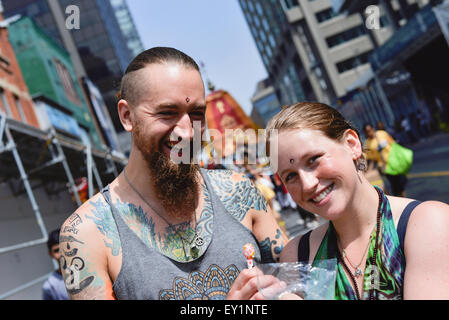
{"x":353,"y":143}
{"x":125,"y":114}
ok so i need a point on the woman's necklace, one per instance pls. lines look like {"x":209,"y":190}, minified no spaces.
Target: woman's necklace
{"x":197,"y":240}
{"x":373,"y":258}
{"x":357,"y":271}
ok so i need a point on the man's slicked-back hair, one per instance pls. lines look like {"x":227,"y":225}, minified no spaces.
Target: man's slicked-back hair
{"x":151,"y":56}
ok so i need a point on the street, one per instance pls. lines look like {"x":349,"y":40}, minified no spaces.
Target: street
{"x":428,"y":178}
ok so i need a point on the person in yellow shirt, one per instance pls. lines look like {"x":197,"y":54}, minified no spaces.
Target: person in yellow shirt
{"x":377,"y":148}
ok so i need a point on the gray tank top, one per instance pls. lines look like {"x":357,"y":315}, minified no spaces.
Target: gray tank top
{"x":148,"y":274}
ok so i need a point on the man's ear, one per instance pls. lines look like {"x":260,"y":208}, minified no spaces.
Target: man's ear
{"x":125,"y":114}
{"x":352,"y":142}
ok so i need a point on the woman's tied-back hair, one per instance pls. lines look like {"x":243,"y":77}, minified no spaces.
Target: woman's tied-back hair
{"x":311,"y":115}
{"x":154,"y":55}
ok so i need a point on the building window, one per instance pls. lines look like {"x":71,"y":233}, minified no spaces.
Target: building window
{"x":5,"y":103}
{"x":276,"y":31}
{"x":345,"y":36}
{"x":249,"y":18}
{"x":265,"y":24}
{"x":307,"y":87}
{"x":259,"y":8}
{"x":254,"y":31}
{"x":19,"y":107}
{"x":296,"y":84}
{"x":353,"y":62}
{"x":384,"y":21}
{"x":257,"y":21}
{"x":272,"y":41}
{"x":269,"y":52}
{"x":323,"y":84}
{"x":262,"y":35}
{"x":67,"y":82}
{"x":288,"y":4}
{"x":251,"y":6}
{"x":325,"y":15}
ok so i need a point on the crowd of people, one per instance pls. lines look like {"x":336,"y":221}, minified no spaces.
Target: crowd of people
{"x":413,"y":128}
{"x":160,"y":230}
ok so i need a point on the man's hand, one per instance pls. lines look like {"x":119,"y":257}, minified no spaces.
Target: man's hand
{"x":247,"y":284}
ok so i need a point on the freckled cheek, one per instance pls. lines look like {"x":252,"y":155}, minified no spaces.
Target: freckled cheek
{"x":330,"y":169}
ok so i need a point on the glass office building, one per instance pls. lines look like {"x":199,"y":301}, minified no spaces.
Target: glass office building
{"x":270,"y":30}
{"x":127,"y":26}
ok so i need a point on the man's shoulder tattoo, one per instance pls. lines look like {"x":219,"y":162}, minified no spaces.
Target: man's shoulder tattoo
{"x":237,"y":194}
{"x":103,"y":219}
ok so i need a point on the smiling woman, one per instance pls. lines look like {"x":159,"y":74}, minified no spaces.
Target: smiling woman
{"x":321,"y":162}
{"x":324,"y":165}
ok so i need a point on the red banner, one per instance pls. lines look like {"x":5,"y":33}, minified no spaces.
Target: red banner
{"x":222,"y":113}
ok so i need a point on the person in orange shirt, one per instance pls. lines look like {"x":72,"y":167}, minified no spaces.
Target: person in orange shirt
{"x":377,"y":148}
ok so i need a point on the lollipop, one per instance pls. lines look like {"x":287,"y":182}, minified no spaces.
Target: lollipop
{"x":249,"y":252}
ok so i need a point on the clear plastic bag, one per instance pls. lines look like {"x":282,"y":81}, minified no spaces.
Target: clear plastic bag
{"x":301,"y":280}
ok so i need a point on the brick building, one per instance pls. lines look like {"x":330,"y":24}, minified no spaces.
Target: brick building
{"x":48,"y":71}
{"x":15,"y":100}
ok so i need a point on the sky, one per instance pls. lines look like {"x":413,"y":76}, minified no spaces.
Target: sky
{"x":210,"y":31}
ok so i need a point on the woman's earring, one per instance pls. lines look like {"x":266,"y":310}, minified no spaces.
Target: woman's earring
{"x":361,"y":164}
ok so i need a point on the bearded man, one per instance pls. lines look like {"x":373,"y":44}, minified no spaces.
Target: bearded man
{"x":161,"y":229}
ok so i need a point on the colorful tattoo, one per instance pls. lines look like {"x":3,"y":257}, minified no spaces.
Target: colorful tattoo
{"x":206,"y":223}
{"x":63,"y":238}
{"x":174,"y":242}
{"x":106,"y":225}
{"x":237,"y":197}
{"x":268,"y":247}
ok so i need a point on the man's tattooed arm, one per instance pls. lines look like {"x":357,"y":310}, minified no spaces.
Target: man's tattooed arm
{"x":271,"y":248}
{"x":83,"y":259}
{"x":241,"y":198}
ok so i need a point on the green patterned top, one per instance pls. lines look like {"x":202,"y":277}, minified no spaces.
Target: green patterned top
{"x":389,"y":263}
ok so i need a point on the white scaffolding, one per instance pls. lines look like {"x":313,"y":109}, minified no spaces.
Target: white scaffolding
{"x":59,"y":158}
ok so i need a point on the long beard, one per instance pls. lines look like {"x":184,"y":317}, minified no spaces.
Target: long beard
{"x":176,"y":185}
